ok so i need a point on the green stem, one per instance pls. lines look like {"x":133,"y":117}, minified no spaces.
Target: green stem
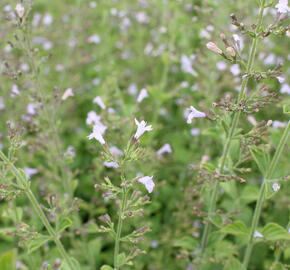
{"x":261,"y":198}
{"x":234,"y":123}
{"x":37,"y":208}
{"x":119,"y":227}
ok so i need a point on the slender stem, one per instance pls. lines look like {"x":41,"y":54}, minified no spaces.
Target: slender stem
{"x":234,"y":123}
{"x":119,"y":226}
{"x":261,"y":198}
{"x":38,"y":209}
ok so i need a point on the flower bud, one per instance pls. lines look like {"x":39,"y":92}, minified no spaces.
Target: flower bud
{"x":214,"y":48}
{"x":20,"y":10}
{"x":231,"y":51}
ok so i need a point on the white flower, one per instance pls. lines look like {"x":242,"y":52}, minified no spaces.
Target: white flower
{"x":194,"y":113}
{"x":47,"y":19}
{"x":166,"y":148}
{"x":31,"y":108}
{"x":221,"y":65}
{"x":95,"y":119}
{"x":115,"y":151}
{"x":14,"y":91}
{"x":236,"y":38}
{"x":252,"y":120}
{"x":2,"y":104}
{"x":30,"y":172}
{"x":285,"y":89}
{"x":186,"y":65}
{"x":94,"y":39}
{"x":143,"y":94}
{"x":278,"y":124}
{"x":68,"y":93}
{"x":282,"y":6}
{"x":214,"y":48}
{"x":195,"y":131}
{"x":275,"y":187}
{"x":132,"y":90}
{"x":97,"y":134}
{"x":141,"y":128}
{"x":20,"y":10}
{"x":111,"y":164}
{"x":280,"y":79}
{"x":98,"y":100}
{"x":147,"y":181}
{"x":258,"y":234}
{"x":235,"y":69}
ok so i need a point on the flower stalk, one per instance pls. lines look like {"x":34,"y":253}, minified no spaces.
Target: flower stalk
{"x":37,"y":208}
{"x":233,"y":126}
{"x":262,"y":194}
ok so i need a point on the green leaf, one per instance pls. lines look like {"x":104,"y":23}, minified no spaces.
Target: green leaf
{"x":8,"y":260}
{"x":233,"y":264}
{"x":236,"y":228}
{"x":106,"y":267}
{"x":186,"y":242}
{"x":64,"y":265}
{"x":64,"y":223}
{"x":261,"y":158}
{"x":121,"y":260}
{"x":250,"y":194}
{"x":275,"y":232}
{"x":35,"y":243}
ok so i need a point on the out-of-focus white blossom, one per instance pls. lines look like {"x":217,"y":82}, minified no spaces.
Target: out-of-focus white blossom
{"x":280,"y":79}
{"x":235,"y":69}
{"x":20,"y":10}
{"x":282,"y":6}
{"x":141,"y":128}
{"x":194,"y":113}
{"x":258,"y":234}
{"x":95,"y":119}
{"x":31,"y":108}
{"x":147,"y":181}
{"x":94,"y":39}
{"x":115,"y":151}
{"x":275,"y":187}
{"x":30,"y":172}
{"x":195,"y":131}
{"x":97,"y":134}
{"x":98,"y":100}
{"x":142,"y":95}
{"x":186,"y":65}
{"x":68,"y":93}
{"x":14,"y":91}
{"x":2,"y":104}
{"x":111,"y":164}
{"x":47,"y":19}
{"x":278,"y":124}
{"x":285,"y":89}
{"x":166,"y":148}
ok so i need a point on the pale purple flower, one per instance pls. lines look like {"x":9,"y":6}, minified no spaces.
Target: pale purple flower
{"x":166,"y":148}
{"x":278,"y":124}
{"x":285,"y":89}
{"x":258,"y":234}
{"x":2,"y":104}
{"x":20,"y":10}
{"x":111,"y":164}
{"x":97,"y":134}
{"x":95,"y":119}
{"x":142,"y":95}
{"x":235,"y":69}
{"x":275,"y":187}
{"x":195,"y":131}
{"x":221,"y":65}
{"x":30,"y":172}
{"x":14,"y":91}
{"x":132,"y":90}
{"x":47,"y":19}
{"x":31,"y":108}
{"x":280,"y":79}
{"x":68,"y":93}
{"x":186,"y":65}
{"x":141,"y":128}
{"x":194,"y":113}
{"x":147,"y":181}
{"x":115,"y":151}
{"x":98,"y":100}
{"x":282,"y":6}
{"x":94,"y":39}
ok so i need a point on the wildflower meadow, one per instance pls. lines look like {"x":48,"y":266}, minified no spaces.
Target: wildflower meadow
{"x":144,"y":135}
